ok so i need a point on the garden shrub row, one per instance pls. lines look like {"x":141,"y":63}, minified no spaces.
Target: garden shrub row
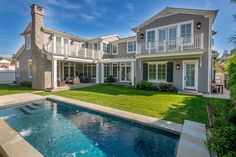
{"x":26,"y":84}
{"x":162,"y":87}
{"x":223,"y":139}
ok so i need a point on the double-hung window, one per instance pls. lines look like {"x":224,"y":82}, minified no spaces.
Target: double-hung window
{"x":90,"y":70}
{"x":28,"y":41}
{"x":30,"y":68}
{"x":157,"y":72}
{"x":186,"y":33}
{"x":131,"y":46}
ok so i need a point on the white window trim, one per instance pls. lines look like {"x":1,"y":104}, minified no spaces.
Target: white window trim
{"x":110,"y":69}
{"x":157,"y":81}
{"x":133,"y":45}
{"x":116,"y":49}
{"x":177,"y":25}
{"x":91,"y":70}
{"x":196,"y":76}
{"x":28,"y":42}
{"x":18,"y":67}
{"x":29,"y":61}
{"x":93,"y":66}
{"x":125,"y":64}
{"x":116,"y":71}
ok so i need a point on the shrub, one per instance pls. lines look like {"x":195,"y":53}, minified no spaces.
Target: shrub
{"x":231,"y":68}
{"x":167,"y":87}
{"x":26,"y":84}
{"x":110,"y":79}
{"x":224,"y":132}
{"x":145,"y":85}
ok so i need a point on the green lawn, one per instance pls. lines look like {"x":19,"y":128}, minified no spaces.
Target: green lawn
{"x":167,"y":106}
{"x":9,"y":89}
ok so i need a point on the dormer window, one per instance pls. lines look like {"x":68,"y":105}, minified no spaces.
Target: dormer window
{"x":28,"y":41}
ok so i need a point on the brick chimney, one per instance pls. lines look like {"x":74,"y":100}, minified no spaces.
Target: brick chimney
{"x":37,"y":13}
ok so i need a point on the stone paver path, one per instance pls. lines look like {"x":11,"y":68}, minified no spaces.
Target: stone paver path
{"x":8,"y":100}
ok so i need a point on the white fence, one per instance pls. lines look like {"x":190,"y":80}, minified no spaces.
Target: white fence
{"x":7,"y":76}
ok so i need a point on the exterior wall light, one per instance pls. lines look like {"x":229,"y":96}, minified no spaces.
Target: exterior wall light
{"x":199,"y":24}
{"x":141,"y":36}
{"x":177,"y":66}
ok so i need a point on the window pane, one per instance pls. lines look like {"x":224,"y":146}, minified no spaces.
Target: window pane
{"x":89,"y":70}
{"x":114,"y":49}
{"x":162,"y":72}
{"x":93,"y":70}
{"x":114,"y":70}
{"x":104,"y":47}
{"x":86,"y":70}
{"x":128,"y":73}
{"x":186,"y":30}
{"x":109,"y":46}
{"x":130,"y":46}
{"x":151,"y":36}
{"x":122,"y":72}
{"x":152,"y":71}
{"x":162,"y":35}
{"x":172,"y":33}
{"x":134,"y":45}
{"x":72,"y":68}
{"x":106,"y":70}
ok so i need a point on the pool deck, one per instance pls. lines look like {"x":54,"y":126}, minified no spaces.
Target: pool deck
{"x":192,"y":134}
{"x":14,"y":99}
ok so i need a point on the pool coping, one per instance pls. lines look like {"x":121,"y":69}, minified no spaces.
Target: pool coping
{"x":141,"y":119}
{"x":12,"y":144}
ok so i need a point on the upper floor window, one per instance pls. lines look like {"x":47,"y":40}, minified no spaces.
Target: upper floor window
{"x":95,"y":46}
{"x":30,"y":68}
{"x":114,"y":49}
{"x":151,"y":36}
{"x":28,"y":41}
{"x":186,"y":33}
{"x":131,"y":46}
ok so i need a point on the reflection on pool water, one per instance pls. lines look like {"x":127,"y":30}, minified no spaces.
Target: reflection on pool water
{"x":59,"y":129}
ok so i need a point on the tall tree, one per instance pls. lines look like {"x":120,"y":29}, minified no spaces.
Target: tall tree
{"x":233,"y":37}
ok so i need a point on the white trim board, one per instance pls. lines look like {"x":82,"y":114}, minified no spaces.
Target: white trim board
{"x":196,"y":73}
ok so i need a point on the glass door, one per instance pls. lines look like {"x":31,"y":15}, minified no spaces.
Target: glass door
{"x":190,"y":75}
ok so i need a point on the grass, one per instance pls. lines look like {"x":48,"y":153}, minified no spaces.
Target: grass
{"x":10,"y":89}
{"x":167,"y":106}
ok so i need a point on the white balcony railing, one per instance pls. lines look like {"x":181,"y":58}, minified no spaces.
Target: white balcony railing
{"x":71,"y":50}
{"x":179,"y":44}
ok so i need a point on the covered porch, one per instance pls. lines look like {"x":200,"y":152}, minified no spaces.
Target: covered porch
{"x":72,"y":72}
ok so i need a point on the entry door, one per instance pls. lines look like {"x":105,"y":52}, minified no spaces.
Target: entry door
{"x":190,"y":75}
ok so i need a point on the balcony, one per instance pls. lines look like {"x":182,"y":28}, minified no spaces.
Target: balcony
{"x":176,"y":45}
{"x":70,"y":50}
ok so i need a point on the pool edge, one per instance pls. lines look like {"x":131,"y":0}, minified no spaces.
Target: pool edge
{"x":171,"y":127}
{"x":12,"y":144}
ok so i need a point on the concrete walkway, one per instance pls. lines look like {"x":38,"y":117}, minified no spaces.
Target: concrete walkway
{"x":226,"y":95}
{"x":13,"y":99}
{"x":192,"y":140}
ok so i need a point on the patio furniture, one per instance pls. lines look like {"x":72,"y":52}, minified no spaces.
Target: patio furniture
{"x":76,"y":81}
{"x":220,"y":88}
{"x":61,"y":83}
{"x":73,"y":80}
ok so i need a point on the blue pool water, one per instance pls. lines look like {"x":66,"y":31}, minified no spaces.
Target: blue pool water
{"x":63,"y":130}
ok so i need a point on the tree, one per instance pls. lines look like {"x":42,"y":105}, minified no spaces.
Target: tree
{"x":233,"y":37}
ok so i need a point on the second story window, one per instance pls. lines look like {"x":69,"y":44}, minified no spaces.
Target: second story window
{"x":151,"y":36}
{"x":28,"y":41}
{"x":131,"y":46}
{"x":114,"y":49}
{"x":186,"y":33}
{"x":58,"y":44}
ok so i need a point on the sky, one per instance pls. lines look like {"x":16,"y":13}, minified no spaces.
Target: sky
{"x":92,"y":18}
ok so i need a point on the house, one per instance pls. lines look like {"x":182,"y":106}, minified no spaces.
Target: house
{"x":172,"y":46}
{"x":6,"y":65}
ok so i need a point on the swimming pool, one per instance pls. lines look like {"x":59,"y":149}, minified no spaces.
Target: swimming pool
{"x":59,"y":129}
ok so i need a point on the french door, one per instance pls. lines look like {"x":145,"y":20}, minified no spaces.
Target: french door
{"x":125,"y":72}
{"x":190,"y":75}
{"x":167,"y":39}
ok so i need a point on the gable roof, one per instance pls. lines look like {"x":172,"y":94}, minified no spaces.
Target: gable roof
{"x":19,"y":51}
{"x":170,"y":11}
{"x":27,"y":29}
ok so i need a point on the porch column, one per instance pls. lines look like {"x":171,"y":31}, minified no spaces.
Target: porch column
{"x":132,"y":73}
{"x":97,"y":72}
{"x":102,"y":73}
{"x":54,"y":73}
